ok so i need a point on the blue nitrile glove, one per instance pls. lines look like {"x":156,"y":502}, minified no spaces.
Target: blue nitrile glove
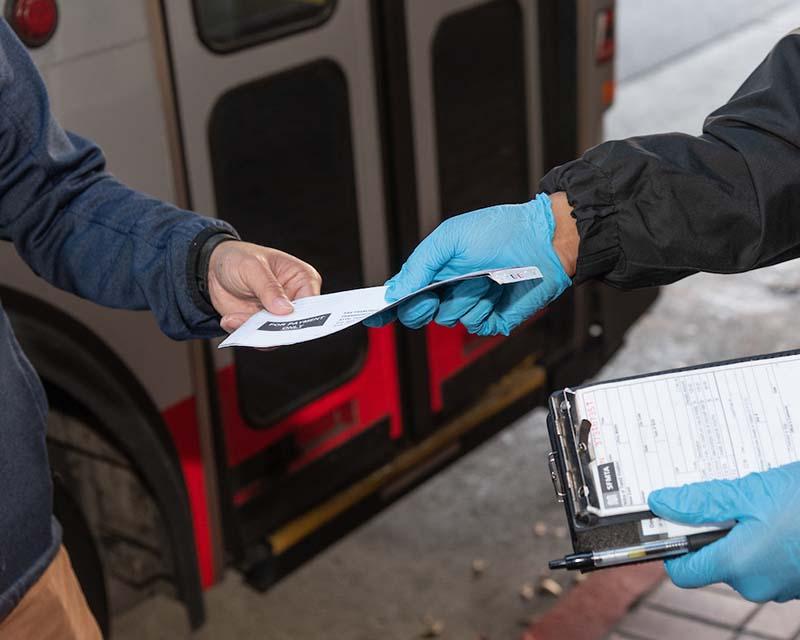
{"x":503,"y":236}
{"x":760,"y":556}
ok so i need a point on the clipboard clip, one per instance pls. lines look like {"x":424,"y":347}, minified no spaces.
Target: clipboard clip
{"x":585,"y":452}
{"x":555,"y":477}
{"x":575,"y":451}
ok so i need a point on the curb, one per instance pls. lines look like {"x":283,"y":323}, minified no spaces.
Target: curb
{"x":590,"y":610}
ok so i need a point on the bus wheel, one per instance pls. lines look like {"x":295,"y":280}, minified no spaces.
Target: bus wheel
{"x":83,"y":553}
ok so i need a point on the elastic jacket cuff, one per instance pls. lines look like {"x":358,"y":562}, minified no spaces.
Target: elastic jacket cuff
{"x":590,"y":192}
{"x":197,"y":261}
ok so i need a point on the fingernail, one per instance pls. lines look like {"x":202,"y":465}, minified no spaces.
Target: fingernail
{"x":283,"y":304}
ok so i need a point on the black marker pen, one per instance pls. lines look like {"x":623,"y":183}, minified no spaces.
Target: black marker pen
{"x":666,"y":548}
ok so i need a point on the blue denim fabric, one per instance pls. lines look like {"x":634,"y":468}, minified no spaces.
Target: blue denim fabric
{"x":83,"y":231}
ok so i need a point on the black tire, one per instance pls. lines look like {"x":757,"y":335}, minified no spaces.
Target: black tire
{"x":83,"y":553}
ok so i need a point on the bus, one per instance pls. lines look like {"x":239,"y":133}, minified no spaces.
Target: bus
{"x":341,"y":131}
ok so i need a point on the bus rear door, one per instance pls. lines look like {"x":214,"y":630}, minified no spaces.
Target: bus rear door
{"x":277,"y":103}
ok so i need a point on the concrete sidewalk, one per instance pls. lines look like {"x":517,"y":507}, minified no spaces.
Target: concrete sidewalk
{"x":677,"y":95}
{"x":654,"y":34}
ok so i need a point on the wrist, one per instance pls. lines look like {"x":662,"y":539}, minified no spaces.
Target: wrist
{"x":566,"y":240}
{"x":204,"y":247}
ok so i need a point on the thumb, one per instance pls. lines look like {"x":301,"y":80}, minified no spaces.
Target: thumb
{"x":268,"y":290}
{"x":699,"y":503}
{"x":422,"y":266}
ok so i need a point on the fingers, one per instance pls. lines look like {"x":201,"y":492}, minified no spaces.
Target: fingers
{"x":311,"y":288}
{"x":421,"y":309}
{"x":297,"y":278}
{"x":418,"y":311}
{"x":459,"y":299}
{"x":421,"y":267}
{"x":455,"y":305}
{"x":232,"y":321}
{"x":307,"y":282}
{"x":381,"y":319}
{"x":263,"y":283}
{"x":247,"y":278}
{"x":475,"y":319}
{"x":699,"y":503}
{"x":703,"y":567}
{"x":494,"y":325}
{"x":513,"y":304}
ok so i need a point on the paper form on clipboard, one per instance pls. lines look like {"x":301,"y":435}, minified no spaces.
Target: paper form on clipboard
{"x":675,"y":428}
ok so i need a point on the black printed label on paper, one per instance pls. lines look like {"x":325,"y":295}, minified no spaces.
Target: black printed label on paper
{"x":294,"y":325}
{"x":608,"y":478}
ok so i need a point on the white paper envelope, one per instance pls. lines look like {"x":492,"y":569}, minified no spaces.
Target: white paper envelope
{"x":320,"y":316}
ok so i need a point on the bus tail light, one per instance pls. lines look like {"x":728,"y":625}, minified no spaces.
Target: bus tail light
{"x":608,"y":93}
{"x":34,"y":21}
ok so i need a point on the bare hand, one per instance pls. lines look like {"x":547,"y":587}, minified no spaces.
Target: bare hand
{"x":244,"y":278}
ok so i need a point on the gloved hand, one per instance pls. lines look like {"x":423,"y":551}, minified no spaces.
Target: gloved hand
{"x":504,"y":236}
{"x":760,"y":556}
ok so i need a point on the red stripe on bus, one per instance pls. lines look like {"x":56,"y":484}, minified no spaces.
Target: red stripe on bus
{"x":450,"y":349}
{"x":372,"y":395}
{"x":181,"y":420}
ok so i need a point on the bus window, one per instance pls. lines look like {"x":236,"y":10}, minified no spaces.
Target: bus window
{"x":228,"y":25}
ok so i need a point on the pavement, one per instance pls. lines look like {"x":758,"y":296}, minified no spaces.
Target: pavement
{"x":654,"y":34}
{"x":711,"y":613}
{"x":410,"y":570}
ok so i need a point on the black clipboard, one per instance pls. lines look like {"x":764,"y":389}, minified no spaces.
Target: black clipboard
{"x":573,"y":484}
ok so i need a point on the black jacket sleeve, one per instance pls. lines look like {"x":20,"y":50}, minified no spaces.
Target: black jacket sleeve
{"x":653,"y":209}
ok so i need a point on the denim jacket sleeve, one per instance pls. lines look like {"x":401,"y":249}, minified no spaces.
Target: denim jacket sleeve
{"x":78,"y":227}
